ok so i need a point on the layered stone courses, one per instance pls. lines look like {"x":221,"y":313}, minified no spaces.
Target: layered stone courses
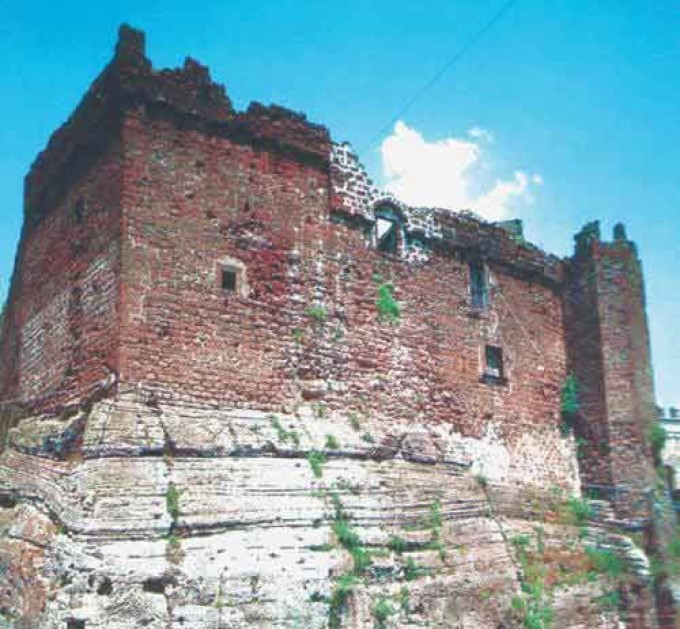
{"x":126,"y":368}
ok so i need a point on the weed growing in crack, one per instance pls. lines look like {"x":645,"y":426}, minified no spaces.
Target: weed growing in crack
{"x":656,"y":437}
{"x":298,"y":336}
{"x":318,"y":313}
{"x":405,"y":599}
{"x":388,"y":307}
{"x":413,"y":571}
{"x":382,"y":611}
{"x":338,"y":603}
{"x":569,"y":404}
{"x":534,"y":605}
{"x":578,"y":511}
{"x":316,"y":461}
{"x":435,"y":542}
{"x":349,"y":539}
{"x":282,"y":433}
{"x":605,"y":562}
{"x":332,"y":443}
{"x":397,"y":544}
{"x":172,"y":495}
{"x":610,"y":600}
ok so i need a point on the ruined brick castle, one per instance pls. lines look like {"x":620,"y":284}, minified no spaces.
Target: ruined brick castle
{"x":205,"y":300}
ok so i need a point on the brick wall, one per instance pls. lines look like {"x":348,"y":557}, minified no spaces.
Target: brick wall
{"x":193,"y":199}
{"x":176,"y":184}
{"x":629,"y":386}
{"x":609,"y":353}
{"x":584,"y":348}
{"x":63,"y":306}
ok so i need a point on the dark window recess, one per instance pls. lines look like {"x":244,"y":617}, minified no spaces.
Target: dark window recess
{"x":479,"y":288}
{"x":417,"y":240}
{"x":493,"y":368}
{"x":71,"y":623}
{"x":388,"y":230}
{"x":105,"y":587}
{"x":8,"y":502}
{"x":155,"y":585}
{"x":229,"y":280}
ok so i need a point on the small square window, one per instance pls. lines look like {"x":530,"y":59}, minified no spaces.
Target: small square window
{"x":229,"y":279}
{"x":230,"y":276}
{"x":493,"y":365}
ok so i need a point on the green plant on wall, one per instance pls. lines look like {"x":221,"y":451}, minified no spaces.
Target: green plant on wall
{"x":382,"y":611}
{"x":350,"y":540}
{"x":316,"y":461}
{"x":533,"y":606}
{"x":298,"y":336}
{"x":318,"y":313}
{"x":282,"y":433}
{"x":569,"y":398}
{"x":388,"y":307}
{"x":656,"y":436}
{"x":172,"y":495}
{"x":673,"y":555}
{"x":667,"y":563}
{"x":341,"y":593}
{"x":569,"y":404}
{"x":331,"y":442}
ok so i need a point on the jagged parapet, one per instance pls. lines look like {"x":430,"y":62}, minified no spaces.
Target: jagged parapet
{"x":188,"y":94}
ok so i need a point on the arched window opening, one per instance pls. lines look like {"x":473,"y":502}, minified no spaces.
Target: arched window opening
{"x":388,"y":230}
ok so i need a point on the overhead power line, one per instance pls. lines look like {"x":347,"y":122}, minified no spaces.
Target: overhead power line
{"x":477,"y":36}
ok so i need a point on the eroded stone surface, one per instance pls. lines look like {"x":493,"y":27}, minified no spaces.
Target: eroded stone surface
{"x":254,"y":544}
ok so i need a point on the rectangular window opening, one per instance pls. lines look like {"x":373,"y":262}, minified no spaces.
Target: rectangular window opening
{"x":479,"y":289}
{"x":493,"y":367}
{"x":229,"y":280}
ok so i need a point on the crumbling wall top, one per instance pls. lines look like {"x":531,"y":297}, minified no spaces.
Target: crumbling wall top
{"x":355,"y":196}
{"x":588,"y":241}
{"x":187,"y":94}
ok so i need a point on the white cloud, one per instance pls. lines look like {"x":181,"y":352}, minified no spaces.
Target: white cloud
{"x":444,"y":173}
{"x":481,"y":134}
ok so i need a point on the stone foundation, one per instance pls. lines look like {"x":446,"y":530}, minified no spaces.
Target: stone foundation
{"x":90,"y":538}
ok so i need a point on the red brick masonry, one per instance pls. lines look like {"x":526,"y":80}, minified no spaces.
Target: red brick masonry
{"x":156,"y":184}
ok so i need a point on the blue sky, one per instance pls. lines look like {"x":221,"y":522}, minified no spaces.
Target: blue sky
{"x":573,"y":106}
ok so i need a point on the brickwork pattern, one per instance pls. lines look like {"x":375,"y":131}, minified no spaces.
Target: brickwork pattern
{"x":65,"y":292}
{"x":156,"y":185}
